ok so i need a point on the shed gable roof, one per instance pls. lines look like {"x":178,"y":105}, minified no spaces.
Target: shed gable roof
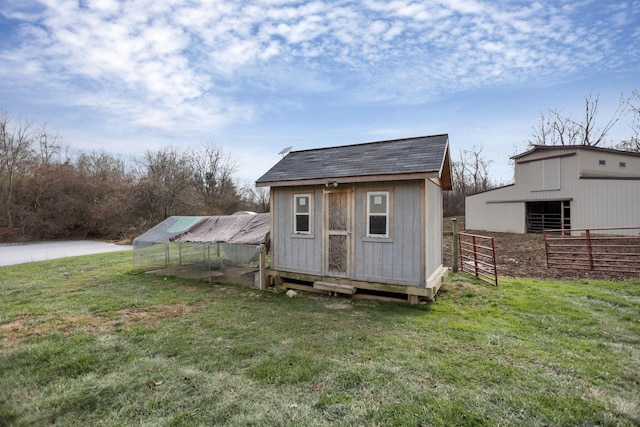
{"x":399,"y":157}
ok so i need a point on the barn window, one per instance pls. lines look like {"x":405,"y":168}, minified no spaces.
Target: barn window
{"x":623,"y":164}
{"x":302,"y":213}
{"x":602,"y":162}
{"x":378,"y":214}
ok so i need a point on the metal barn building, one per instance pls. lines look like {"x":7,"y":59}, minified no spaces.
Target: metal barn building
{"x":361,"y":218}
{"x":562,"y":187}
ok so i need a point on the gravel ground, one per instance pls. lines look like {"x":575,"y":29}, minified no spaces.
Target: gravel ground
{"x":18,"y":253}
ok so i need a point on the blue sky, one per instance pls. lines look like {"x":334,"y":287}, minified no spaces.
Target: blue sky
{"x":256,"y":76}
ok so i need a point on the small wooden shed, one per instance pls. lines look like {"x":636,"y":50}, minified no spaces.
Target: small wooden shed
{"x":363,"y":218}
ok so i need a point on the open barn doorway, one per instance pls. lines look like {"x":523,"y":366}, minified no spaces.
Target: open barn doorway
{"x":548,"y":215}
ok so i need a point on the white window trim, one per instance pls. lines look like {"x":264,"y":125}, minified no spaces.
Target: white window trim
{"x":296,"y":213}
{"x":387,"y":213}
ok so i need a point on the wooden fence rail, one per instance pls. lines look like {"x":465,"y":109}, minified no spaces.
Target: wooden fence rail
{"x":478,"y":257}
{"x":594,"y":249}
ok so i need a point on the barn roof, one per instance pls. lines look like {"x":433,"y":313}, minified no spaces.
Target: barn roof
{"x":409,"y":158}
{"x":552,"y":148}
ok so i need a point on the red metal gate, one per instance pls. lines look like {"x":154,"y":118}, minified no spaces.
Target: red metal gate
{"x":595,"y":249}
{"x":478,"y":257}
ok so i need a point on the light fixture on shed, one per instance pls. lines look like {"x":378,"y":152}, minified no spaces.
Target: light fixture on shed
{"x":331,"y":184}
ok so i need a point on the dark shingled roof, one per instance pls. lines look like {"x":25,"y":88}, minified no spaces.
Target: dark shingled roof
{"x":400,"y":156}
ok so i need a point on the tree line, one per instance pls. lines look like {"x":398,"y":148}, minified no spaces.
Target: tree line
{"x":470,"y":172}
{"x":46,"y":193}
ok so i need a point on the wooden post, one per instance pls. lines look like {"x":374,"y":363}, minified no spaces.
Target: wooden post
{"x":263,"y":268}
{"x":589,"y":248}
{"x":209,"y":260}
{"x":546,"y":245}
{"x":456,"y":244}
{"x":166,"y":255}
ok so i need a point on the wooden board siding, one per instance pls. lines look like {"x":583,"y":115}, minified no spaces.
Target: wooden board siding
{"x":433,"y":231}
{"x":296,"y":253}
{"x":408,"y":257}
{"x":398,"y":259}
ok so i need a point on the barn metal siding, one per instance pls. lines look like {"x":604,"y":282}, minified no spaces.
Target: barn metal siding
{"x":600,"y":195}
{"x":501,"y":217}
{"x":504,"y":209}
{"x":589,"y":165}
{"x":607,"y":195}
{"x":607,"y":203}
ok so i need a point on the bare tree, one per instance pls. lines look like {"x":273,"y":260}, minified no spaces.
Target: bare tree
{"x":16,"y":154}
{"x":477,"y":168}
{"x":167,"y":177}
{"x":543,"y":131}
{"x":470,"y":175}
{"x":633,"y":143}
{"x":261,"y":199}
{"x":46,"y":194}
{"x":556,"y":129}
{"x":109,"y":194}
{"x":101,"y":166}
{"x":634,"y":105}
{"x":256,"y":199}
{"x":56,"y":198}
{"x":50,"y":149}
{"x":213,"y":172}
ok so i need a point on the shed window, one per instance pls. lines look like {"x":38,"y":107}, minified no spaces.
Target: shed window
{"x":378,"y":214}
{"x":302,"y":213}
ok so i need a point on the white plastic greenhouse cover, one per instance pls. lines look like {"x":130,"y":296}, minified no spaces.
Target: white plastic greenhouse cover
{"x":163,"y":232}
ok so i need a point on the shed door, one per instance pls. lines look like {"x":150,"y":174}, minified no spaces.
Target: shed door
{"x":338,"y":232}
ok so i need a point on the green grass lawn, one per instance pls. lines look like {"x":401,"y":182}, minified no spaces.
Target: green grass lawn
{"x":85,"y":342}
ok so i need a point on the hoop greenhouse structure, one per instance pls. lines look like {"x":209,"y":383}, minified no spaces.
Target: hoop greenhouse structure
{"x":230,"y":248}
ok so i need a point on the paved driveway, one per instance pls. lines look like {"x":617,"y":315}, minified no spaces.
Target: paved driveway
{"x":18,"y":253}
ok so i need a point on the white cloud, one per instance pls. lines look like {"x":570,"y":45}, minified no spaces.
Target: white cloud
{"x":186,"y":59}
{"x":106,"y":7}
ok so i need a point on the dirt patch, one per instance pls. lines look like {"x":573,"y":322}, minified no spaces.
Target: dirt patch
{"x":237,"y":275}
{"x":339,"y":306}
{"x":12,"y":333}
{"x":523,"y":255}
{"x":152,"y":316}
